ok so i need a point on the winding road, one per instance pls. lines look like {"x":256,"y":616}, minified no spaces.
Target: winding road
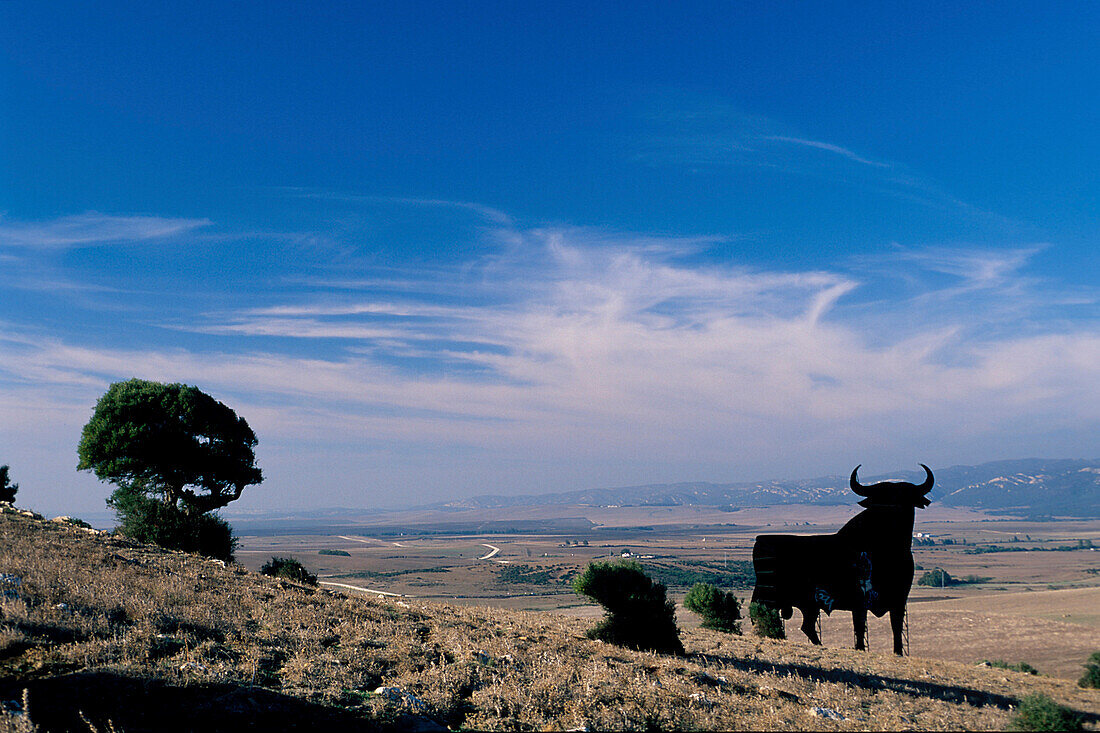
{"x":365,"y":590}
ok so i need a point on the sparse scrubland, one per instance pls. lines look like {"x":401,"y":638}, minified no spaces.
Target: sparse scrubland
{"x":112,"y":630}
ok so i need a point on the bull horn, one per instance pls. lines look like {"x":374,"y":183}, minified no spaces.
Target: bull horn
{"x":927,"y":485}
{"x":854,"y":483}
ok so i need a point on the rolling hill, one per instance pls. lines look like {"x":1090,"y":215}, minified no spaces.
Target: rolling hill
{"x":102,"y":633}
{"x":1030,"y":486}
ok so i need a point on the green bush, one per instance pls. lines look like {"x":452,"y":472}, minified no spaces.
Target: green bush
{"x":938,"y":578}
{"x":290,"y":569}
{"x":766,"y":622}
{"x":7,"y":488}
{"x":1018,"y":667}
{"x":151,"y":520}
{"x":76,"y":522}
{"x":720,"y":609}
{"x":1039,"y":712}
{"x":1091,"y":677}
{"x":340,"y":553}
{"x":638,"y":613}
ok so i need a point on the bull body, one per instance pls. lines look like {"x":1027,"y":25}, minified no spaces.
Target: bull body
{"x":866,"y":566}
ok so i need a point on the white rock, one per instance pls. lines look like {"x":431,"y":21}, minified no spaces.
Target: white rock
{"x":826,"y":713}
{"x":396,"y":694}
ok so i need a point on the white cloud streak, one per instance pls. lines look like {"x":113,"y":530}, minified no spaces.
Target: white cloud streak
{"x":828,"y":147}
{"x":622,"y":359}
{"x":92,"y":229}
{"x":490,"y":214}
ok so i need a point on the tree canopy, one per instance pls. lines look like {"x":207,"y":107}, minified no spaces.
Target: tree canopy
{"x":7,"y":488}
{"x":171,"y":441}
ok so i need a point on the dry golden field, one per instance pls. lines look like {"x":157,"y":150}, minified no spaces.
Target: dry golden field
{"x":1014,"y":615}
{"x":146,"y":639}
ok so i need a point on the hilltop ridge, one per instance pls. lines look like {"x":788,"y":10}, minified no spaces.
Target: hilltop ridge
{"x":105,"y":628}
{"x":1065,"y":487}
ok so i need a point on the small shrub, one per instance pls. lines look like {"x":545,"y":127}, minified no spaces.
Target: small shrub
{"x":720,"y":609}
{"x":340,"y":553}
{"x":766,"y":622}
{"x":290,"y":569}
{"x":1018,"y":667}
{"x":7,"y":488}
{"x":1039,"y":712}
{"x":1091,"y":677}
{"x":638,"y":613}
{"x":76,"y":522}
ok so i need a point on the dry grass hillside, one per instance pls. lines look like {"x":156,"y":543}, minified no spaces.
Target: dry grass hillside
{"x":131,"y":638}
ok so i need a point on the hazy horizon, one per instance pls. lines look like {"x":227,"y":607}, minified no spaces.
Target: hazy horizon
{"x":430,"y":253}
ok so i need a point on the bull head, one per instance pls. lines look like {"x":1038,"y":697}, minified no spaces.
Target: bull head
{"x":894,"y":493}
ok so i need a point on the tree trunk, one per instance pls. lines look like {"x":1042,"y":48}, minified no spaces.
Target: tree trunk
{"x":200,"y":504}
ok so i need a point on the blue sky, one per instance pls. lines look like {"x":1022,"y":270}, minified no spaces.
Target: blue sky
{"x":431,"y":250}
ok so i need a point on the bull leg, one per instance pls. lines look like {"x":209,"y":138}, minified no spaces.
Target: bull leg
{"x":809,"y":625}
{"x":897,"y":622}
{"x":859,"y":620}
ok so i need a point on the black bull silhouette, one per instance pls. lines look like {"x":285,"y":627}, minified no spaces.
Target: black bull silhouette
{"x":866,"y":566}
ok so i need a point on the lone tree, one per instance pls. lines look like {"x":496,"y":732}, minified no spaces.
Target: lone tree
{"x":7,"y":488}
{"x":170,"y":441}
{"x":639,"y":616}
{"x":720,"y":609}
{"x":174,"y":453}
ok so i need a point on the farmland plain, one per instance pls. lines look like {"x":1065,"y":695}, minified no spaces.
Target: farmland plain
{"x":1030,"y":590}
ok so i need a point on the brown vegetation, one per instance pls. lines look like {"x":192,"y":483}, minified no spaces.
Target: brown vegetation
{"x":145,"y":638}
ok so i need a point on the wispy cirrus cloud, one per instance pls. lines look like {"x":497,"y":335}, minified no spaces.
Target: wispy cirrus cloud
{"x":92,"y":228}
{"x":490,"y":214}
{"x":596,"y":331}
{"x":616,"y":353}
{"x":828,"y":147}
{"x":718,"y":134}
{"x":712,"y":135}
{"x":605,"y":357}
{"x":976,"y":267}
{"x":352,"y":309}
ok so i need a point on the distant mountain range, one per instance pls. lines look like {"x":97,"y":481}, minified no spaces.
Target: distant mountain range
{"x":1035,"y":487}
